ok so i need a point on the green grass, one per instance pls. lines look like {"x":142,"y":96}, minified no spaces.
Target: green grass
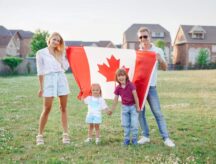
{"x":188,"y":101}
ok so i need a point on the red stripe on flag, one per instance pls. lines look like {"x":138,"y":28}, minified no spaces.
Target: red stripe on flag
{"x":145,"y":61}
{"x":80,"y":67}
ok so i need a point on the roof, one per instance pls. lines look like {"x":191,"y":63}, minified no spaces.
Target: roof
{"x":131,"y":33}
{"x":5,"y":36}
{"x":23,"y":34}
{"x":105,"y":43}
{"x":81,"y":43}
{"x":209,"y":33}
{"x":4,"y":31}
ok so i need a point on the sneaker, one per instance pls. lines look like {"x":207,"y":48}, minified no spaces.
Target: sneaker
{"x":88,"y":140}
{"x":134,"y":141}
{"x":168,"y":142}
{"x":39,"y":139}
{"x":65,"y":138}
{"x":126,"y":142}
{"x":143,"y":140}
{"x":97,"y":141}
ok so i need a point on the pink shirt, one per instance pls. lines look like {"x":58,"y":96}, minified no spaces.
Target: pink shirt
{"x":126,"y":93}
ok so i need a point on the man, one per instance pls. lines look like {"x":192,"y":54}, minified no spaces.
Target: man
{"x":144,"y":36}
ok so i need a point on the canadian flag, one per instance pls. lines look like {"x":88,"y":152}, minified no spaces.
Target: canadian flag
{"x":98,"y":65}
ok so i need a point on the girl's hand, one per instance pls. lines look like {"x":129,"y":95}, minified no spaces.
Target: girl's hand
{"x":109,"y":112}
{"x":40,"y":93}
{"x":138,"y":109}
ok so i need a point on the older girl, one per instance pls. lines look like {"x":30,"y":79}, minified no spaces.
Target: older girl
{"x":130,"y":106}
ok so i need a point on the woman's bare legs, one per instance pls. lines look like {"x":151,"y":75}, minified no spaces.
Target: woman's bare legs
{"x":47,"y":105}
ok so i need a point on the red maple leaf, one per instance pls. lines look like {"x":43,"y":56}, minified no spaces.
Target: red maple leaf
{"x":109,"y":71}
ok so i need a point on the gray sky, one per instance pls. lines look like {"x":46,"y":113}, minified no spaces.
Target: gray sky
{"x":94,"y":20}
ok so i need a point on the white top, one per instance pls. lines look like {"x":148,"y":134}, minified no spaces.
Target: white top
{"x":95,"y":105}
{"x":159,"y":51}
{"x":46,"y":63}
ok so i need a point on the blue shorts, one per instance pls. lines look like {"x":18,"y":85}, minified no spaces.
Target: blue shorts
{"x":92,"y":119}
{"x":55,"y":84}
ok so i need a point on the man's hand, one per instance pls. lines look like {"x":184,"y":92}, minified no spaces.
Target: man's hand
{"x":163,"y":64}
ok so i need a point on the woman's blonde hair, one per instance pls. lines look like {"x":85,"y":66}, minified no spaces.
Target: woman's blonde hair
{"x":121,"y":72}
{"x":59,"y":50}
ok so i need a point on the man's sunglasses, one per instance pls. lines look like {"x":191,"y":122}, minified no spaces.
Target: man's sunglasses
{"x":144,"y":36}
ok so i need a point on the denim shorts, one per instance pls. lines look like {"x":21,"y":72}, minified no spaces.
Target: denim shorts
{"x":55,"y":84}
{"x":92,"y":119}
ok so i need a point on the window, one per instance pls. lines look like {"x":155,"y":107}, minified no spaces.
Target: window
{"x":198,"y":35}
{"x":213,"y":48}
{"x":157,"y":34}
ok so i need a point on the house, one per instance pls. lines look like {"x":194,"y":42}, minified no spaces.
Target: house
{"x":189,"y":40}
{"x":25,"y":43}
{"x":8,"y":43}
{"x":130,"y":39}
{"x":14,"y":42}
{"x":91,"y":44}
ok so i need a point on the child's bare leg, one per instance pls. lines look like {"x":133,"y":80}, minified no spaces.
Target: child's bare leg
{"x":90,"y":130}
{"x":97,"y":130}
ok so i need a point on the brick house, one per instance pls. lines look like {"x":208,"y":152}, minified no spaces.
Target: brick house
{"x":189,"y":40}
{"x":25,"y":41}
{"x":14,"y":42}
{"x":108,"y":44}
{"x":130,"y":40}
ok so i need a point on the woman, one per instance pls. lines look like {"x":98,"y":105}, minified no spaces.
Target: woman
{"x":51,"y":65}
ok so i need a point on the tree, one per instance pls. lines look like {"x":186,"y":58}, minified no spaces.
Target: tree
{"x":160,"y":43}
{"x":203,"y":58}
{"x":38,"y":41}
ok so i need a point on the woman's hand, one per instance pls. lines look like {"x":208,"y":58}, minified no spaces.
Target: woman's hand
{"x":40,"y":93}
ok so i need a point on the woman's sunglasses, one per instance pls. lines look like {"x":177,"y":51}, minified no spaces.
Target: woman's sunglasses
{"x":144,"y":36}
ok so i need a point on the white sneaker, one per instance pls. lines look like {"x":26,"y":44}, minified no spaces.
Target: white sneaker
{"x":168,"y":142}
{"x":65,"y":138}
{"x":97,"y":141}
{"x":143,"y":140}
{"x":88,"y":140}
{"x":39,"y":139}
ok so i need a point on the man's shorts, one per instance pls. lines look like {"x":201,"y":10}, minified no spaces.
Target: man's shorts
{"x":55,"y":84}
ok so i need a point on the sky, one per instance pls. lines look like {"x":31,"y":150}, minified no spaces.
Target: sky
{"x":95,"y":20}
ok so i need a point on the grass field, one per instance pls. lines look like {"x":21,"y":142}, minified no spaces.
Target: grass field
{"x":188,"y":100}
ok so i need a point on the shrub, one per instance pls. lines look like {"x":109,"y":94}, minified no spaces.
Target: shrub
{"x":12,"y":62}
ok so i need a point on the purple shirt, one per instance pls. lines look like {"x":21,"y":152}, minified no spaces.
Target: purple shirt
{"x":126,"y":93}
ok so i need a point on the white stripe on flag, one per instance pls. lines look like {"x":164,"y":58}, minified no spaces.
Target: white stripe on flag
{"x":97,"y":56}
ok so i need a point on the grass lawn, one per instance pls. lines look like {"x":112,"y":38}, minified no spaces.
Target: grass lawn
{"x":188,"y":101}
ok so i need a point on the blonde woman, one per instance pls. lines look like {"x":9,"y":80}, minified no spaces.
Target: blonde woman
{"x":51,"y":65}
